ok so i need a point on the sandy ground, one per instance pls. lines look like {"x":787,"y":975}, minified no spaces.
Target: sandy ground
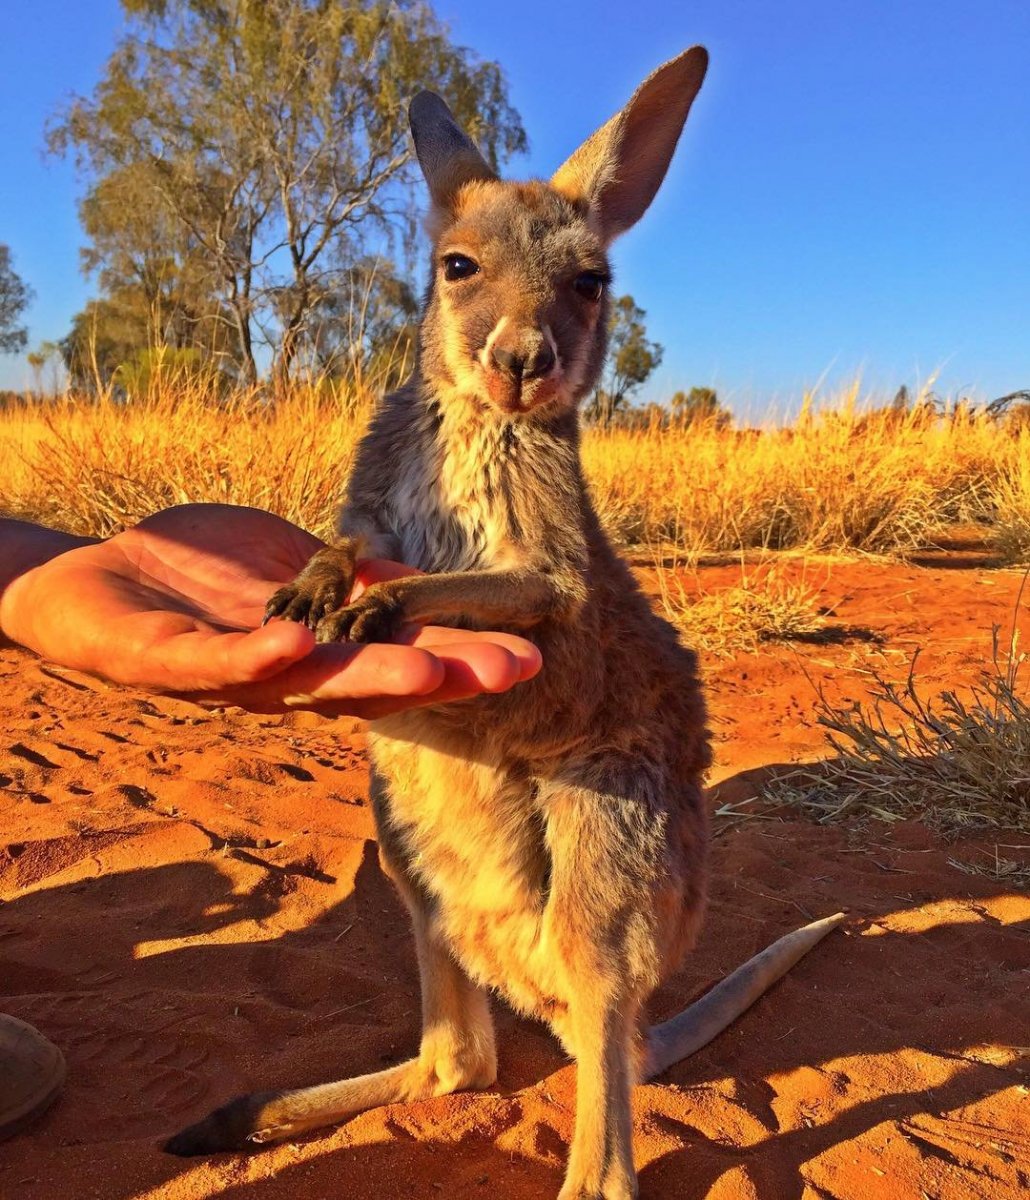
{"x":192,"y":907}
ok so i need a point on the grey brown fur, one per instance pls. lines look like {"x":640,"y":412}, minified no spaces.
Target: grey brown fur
{"x":550,"y":842}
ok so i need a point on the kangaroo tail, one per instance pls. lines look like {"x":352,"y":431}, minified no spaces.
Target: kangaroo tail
{"x":707,"y":1017}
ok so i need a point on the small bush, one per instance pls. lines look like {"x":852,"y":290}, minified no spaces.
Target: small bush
{"x":761,"y":608}
{"x":959,"y":761}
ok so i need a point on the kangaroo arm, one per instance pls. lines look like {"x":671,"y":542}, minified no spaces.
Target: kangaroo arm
{"x":323,"y":586}
{"x":512,"y":597}
{"x":520,"y":597}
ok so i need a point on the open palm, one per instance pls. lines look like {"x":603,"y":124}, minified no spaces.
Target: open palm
{"x":175,"y":604}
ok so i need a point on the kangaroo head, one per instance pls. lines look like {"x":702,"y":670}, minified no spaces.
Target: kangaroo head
{"x":517,"y":312}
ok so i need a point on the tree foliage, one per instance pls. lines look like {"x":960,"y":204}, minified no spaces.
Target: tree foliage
{"x":243,"y":157}
{"x":699,"y":406}
{"x":632,"y":357}
{"x":15,"y":297}
{"x":366,"y":330}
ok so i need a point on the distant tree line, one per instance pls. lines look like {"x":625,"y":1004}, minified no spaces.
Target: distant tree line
{"x":250,"y":201}
{"x":632,"y":358}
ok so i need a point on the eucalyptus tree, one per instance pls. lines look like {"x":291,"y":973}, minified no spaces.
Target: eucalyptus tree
{"x":632,"y":357}
{"x":272,"y":136}
{"x":15,"y":297}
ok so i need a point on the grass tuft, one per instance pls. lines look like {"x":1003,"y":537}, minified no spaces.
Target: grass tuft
{"x":959,"y":762}
{"x":761,"y":608}
{"x":996,"y":867}
{"x":1010,"y":507}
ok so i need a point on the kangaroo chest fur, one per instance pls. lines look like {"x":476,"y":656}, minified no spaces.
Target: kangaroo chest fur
{"x":449,"y":506}
{"x":469,"y":837}
{"x":463,"y":820}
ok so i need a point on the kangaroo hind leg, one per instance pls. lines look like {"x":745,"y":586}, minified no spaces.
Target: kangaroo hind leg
{"x":606,"y":850}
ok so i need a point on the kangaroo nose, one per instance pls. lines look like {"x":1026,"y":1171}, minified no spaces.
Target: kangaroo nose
{"x":539,"y":364}
{"x":519,"y":366}
{"x":508,"y":362}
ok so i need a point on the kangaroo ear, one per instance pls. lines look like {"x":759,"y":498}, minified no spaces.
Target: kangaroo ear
{"x":447,"y":155}
{"x":619,"y":169}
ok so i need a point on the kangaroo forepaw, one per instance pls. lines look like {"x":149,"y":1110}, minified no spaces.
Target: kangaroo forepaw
{"x":322,"y":587}
{"x":307,"y":601}
{"x":237,"y":1125}
{"x":373,"y":617}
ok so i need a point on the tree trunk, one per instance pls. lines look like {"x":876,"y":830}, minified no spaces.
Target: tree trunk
{"x":248,"y":364}
{"x":288,"y":347}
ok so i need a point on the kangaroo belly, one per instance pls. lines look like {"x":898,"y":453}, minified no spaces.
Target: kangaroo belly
{"x":474,"y":842}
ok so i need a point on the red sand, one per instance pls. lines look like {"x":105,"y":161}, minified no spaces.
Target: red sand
{"x":192,"y":907}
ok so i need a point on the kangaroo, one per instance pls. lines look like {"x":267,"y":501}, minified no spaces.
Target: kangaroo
{"x":550,"y":842}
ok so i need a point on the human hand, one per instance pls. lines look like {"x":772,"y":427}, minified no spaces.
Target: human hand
{"x":175,"y":605}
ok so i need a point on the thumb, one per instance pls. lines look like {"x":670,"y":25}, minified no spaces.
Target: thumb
{"x":263,"y":652}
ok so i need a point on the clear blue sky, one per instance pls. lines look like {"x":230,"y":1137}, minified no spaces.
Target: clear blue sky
{"x":852,"y":193}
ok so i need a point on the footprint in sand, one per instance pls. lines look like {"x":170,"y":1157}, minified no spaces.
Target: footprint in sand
{"x":20,"y":750}
{"x":108,"y":1046}
{"x":85,"y":755}
{"x":271,"y":773}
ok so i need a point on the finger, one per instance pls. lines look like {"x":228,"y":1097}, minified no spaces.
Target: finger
{"x":378,"y":570}
{"x":338,"y":678}
{"x":469,"y":670}
{"x":261,"y":653}
{"x":176,"y":653}
{"x":380,"y":679}
{"x":474,"y":667}
{"x":440,"y":637}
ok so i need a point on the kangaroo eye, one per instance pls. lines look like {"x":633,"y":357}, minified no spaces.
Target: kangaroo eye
{"x":590,"y":285}
{"x":459,"y":266}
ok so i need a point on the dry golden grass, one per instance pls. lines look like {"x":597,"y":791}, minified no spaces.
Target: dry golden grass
{"x":958,"y":761}
{"x":1010,"y":497}
{"x":97,"y":466}
{"x":845,"y":478}
{"x":763,"y":607}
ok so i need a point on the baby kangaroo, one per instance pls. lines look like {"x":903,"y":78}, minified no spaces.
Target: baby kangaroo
{"x":549,"y":842}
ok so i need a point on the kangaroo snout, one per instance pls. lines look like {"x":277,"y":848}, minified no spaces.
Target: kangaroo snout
{"x":520,"y":367}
